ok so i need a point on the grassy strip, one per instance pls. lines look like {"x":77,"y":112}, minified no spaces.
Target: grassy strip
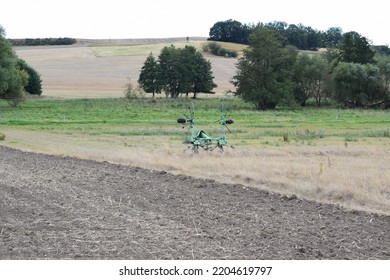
{"x":154,"y":117}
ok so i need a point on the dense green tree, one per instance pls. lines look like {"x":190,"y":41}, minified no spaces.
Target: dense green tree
{"x":355,"y":48}
{"x":332,"y":37}
{"x":149,"y":78}
{"x":34,"y":83}
{"x":311,"y":77}
{"x":384,"y":68}
{"x":382,"y":50}
{"x":357,"y":85}
{"x":201,"y":79}
{"x":314,"y":39}
{"x":170,"y":74}
{"x":264,"y":72}
{"x":278,"y":26}
{"x":2,"y":31}
{"x":12,"y":79}
{"x":297,"y":36}
{"x":187,"y":68}
{"x":230,"y":31}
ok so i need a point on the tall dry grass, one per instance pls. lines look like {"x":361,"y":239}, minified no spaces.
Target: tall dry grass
{"x":355,"y":176}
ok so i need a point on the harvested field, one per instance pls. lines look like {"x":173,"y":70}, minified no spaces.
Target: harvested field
{"x":77,"y":71}
{"x":66,"y":208}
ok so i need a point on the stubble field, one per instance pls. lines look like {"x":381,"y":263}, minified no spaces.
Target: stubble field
{"x":101,"y":68}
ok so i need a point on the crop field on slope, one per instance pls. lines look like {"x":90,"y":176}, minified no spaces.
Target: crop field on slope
{"x":99,"y":68}
{"x":327,"y":155}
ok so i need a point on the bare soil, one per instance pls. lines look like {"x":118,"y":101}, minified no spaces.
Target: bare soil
{"x":66,"y":208}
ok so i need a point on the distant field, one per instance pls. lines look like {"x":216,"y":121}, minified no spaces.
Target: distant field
{"x":101,"y":68}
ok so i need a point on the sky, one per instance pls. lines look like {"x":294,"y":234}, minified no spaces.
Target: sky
{"x":130,"y":19}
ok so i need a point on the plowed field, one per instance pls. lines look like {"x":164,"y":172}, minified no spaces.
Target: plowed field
{"x":66,"y":208}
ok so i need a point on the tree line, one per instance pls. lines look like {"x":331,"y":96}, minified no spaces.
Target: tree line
{"x":298,"y":35}
{"x":43,"y":41}
{"x":16,"y":77}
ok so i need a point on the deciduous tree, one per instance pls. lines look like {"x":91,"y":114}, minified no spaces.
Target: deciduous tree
{"x":12,"y":79}
{"x":264,"y":72}
{"x":310,"y":76}
{"x":355,"y":48}
{"x":357,"y":85}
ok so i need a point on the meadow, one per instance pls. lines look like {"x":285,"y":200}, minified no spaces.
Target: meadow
{"x":328,"y":155}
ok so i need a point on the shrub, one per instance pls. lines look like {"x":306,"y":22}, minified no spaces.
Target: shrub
{"x":218,"y":50}
{"x":133,"y":93}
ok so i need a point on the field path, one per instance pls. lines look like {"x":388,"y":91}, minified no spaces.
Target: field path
{"x":65,"y":208}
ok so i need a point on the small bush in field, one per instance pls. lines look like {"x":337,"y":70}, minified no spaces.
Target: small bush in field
{"x":217,"y":49}
{"x":133,"y":93}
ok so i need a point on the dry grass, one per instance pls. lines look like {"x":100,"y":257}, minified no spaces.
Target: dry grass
{"x":356,"y":176}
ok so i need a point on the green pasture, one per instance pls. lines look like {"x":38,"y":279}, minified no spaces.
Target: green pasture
{"x":157,"y":117}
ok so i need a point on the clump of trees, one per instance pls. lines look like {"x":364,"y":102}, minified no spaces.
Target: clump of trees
{"x":360,"y":76}
{"x":177,"y":71}
{"x":271,"y":73}
{"x":231,"y":31}
{"x":16,"y":76}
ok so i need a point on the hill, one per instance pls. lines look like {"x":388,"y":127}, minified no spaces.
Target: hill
{"x":101,"y":68}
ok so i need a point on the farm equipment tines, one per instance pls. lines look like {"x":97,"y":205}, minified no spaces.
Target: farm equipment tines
{"x":201,"y":139}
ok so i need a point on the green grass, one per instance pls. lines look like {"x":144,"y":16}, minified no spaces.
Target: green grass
{"x":157,"y":117}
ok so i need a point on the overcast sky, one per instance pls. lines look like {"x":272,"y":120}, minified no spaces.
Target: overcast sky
{"x":105,"y":19}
